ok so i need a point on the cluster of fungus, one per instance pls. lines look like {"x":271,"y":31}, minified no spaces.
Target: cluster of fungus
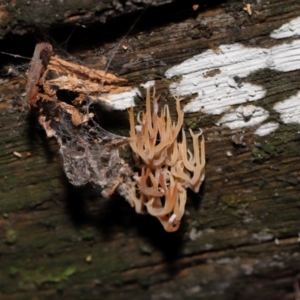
{"x":167,"y":166}
{"x":91,"y":154}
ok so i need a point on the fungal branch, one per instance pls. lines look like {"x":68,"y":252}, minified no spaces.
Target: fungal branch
{"x":167,"y":167}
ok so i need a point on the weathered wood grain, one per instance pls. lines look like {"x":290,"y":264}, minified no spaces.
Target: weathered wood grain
{"x":20,"y":17}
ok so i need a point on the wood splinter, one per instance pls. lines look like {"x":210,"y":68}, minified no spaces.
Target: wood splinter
{"x":48,"y":74}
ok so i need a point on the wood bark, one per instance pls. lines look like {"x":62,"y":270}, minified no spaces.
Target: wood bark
{"x":239,"y":238}
{"x":20,"y":17}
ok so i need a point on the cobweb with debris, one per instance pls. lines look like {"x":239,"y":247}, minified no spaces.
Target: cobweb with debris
{"x":90,"y":153}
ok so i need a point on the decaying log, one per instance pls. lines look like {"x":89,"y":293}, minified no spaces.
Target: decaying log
{"x":48,"y":74}
{"x":239,"y":74}
{"x":20,"y":17}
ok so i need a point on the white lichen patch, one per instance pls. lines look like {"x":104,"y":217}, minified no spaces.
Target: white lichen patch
{"x":263,"y":236}
{"x":148,"y":84}
{"x":289,"y":29}
{"x":193,"y":290}
{"x":266,"y":129}
{"x":247,"y":268}
{"x":235,"y":118}
{"x":285,"y":57}
{"x":194,"y":234}
{"x":228,"y":153}
{"x":215,"y":80}
{"x":289,"y":109}
{"x":123,"y":100}
{"x":246,"y":111}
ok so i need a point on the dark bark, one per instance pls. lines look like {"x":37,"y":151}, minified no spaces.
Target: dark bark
{"x":19,"y":17}
{"x":239,"y":239}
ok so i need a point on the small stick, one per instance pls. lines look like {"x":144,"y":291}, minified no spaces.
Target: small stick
{"x":114,"y":187}
{"x":38,"y":64}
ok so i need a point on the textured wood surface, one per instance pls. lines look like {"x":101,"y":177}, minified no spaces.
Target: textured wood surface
{"x":239,"y":238}
{"x":20,"y":17}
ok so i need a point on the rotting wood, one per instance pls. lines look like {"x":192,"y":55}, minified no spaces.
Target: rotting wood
{"x":240,"y":242}
{"x":48,"y":74}
{"x":90,"y":153}
{"x":39,"y":62}
{"x":19,"y":17}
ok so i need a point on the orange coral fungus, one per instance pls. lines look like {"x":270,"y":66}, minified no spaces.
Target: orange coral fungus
{"x":168,"y":168}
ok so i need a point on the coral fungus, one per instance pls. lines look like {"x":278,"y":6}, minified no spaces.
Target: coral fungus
{"x":167,"y":167}
{"x":91,"y":154}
